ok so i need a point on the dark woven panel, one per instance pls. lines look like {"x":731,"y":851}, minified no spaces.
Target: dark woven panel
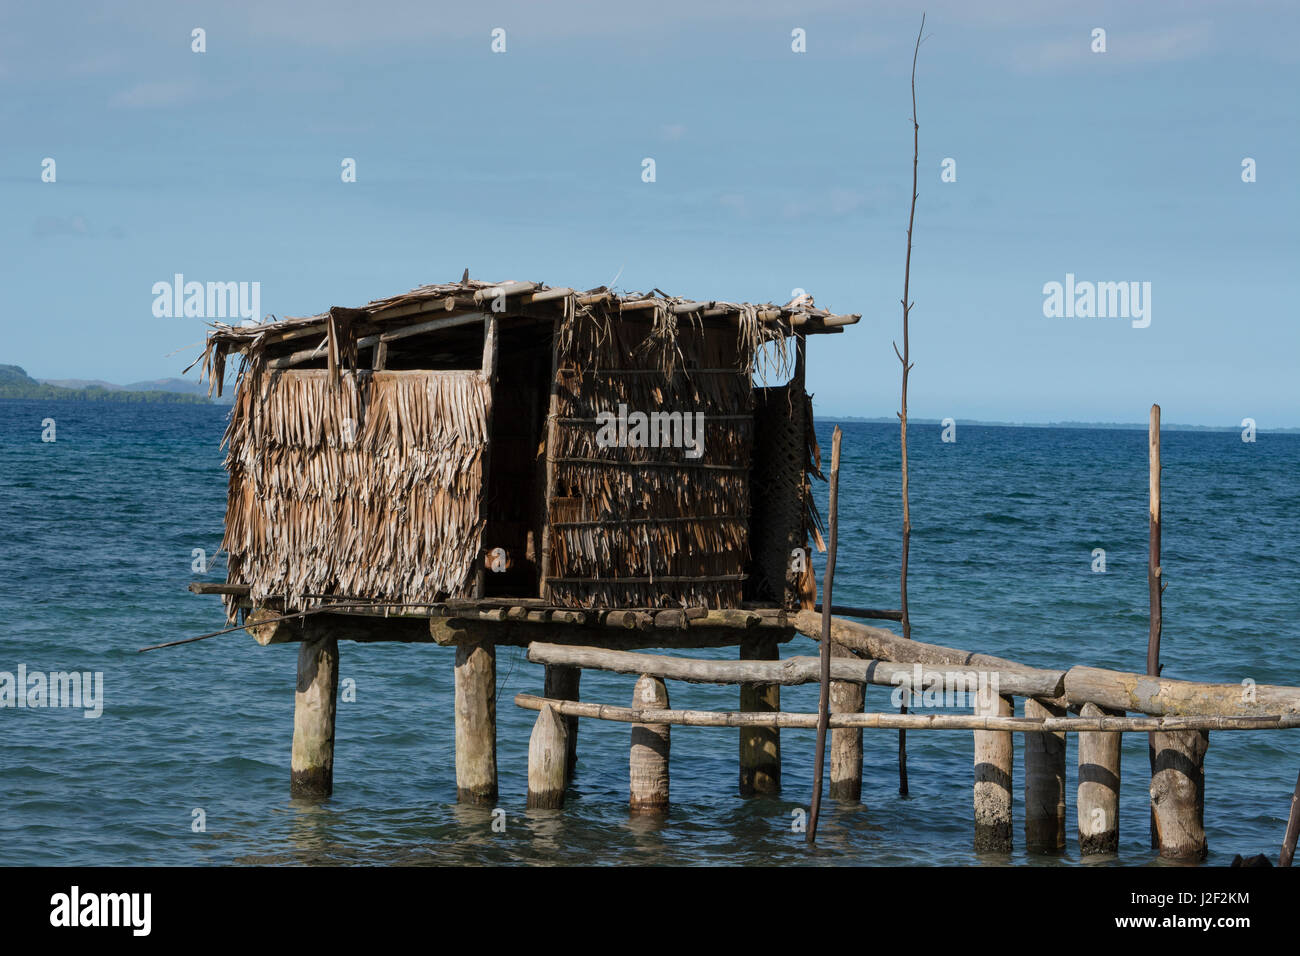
{"x":779,"y":491}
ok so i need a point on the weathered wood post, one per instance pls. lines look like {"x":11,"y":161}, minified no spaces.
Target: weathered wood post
{"x":994,"y":760}
{"x":648,"y":766}
{"x":1292,"y":833}
{"x":311,"y":772}
{"x":1178,"y":793}
{"x":476,"y":721}
{"x":1099,"y":776}
{"x":1044,"y":783}
{"x":846,"y":742}
{"x":760,"y":747}
{"x":564,"y":683}
{"x":547,"y":761}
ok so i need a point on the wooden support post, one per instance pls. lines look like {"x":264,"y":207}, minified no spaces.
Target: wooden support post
{"x":1178,"y":793}
{"x":846,"y":742}
{"x":994,"y":760}
{"x":1292,"y":829}
{"x":760,"y":747}
{"x":476,"y":722}
{"x":1044,"y":783}
{"x":547,"y":761}
{"x":312,"y":764}
{"x":563,"y":683}
{"x":648,"y":766}
{"x":1099,"y":776}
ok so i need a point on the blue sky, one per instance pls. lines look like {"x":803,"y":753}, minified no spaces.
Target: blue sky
{"x":775,"y":170}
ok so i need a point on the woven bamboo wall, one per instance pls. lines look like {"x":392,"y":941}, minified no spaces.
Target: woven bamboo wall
{"x":645,"y":526}
{"x":367,"y":489}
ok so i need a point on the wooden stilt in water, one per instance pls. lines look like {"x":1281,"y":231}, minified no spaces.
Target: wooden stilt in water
{"x":564,"y":683}
{"x":1178,"y":793}
{"x":994,"y":760}
{"x":547,"y":761}
{"x":1099,"y":777}
{"x":846,"y":742}
{"x":1292,"y":828}
{"x":312,"y":764}
{"x":760,"y":747}
{"x":476,"y":722}
{"x":1044,"y":783}
{"x":648,"y":766}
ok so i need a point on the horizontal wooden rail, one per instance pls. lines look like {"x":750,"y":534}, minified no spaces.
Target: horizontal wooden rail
{"x":869,"y":613}
{"x":1023,"y":681}
{"x":910,"y":721}
{"x":1116,"y":690}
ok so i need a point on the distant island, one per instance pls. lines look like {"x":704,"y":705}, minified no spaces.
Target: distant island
{"x":16,"y":383}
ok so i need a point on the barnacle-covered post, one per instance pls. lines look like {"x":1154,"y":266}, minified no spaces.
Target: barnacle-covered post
{"x":648,"y":765}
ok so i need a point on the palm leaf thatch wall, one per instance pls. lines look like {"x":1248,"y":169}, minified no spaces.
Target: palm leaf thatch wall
{"x":369,"y":488}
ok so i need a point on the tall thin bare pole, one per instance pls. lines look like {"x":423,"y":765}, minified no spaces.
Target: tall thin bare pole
{"x":905,"y":358}
{"x":824,"y":700}
{"x":1155,"y":583}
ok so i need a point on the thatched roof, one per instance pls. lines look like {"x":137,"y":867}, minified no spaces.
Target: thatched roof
{"x":441,"y":307}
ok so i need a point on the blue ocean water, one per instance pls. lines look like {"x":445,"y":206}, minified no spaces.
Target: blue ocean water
{"x":97,"y":531}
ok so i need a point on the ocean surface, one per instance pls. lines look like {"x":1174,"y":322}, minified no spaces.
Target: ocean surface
{"x":97,"y":536}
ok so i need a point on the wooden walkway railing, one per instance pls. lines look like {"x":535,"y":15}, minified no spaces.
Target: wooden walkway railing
{"x":1180,"y":715}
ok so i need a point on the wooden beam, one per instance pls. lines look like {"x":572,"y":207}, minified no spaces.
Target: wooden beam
{"x":793,"y":670}
{"x":913,"y":721}
{"x":1117,"y":690}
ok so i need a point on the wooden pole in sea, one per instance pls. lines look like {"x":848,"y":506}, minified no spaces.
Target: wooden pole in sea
{"x":824,"y":699}
{"x":648,"y":762}
{"x":1098,"y":795}
{"x":1292,"y":828}
{"x":476,"y":721}
{"x":1044,"y":783}
{"x":314,"y":701}
{"x":564,"y":683}
{"x":994,"y":762}
{"x":1177,"y":757}
{"x":547,"y":761}
{"x":760,"y":747}
{"x":847,"y":697}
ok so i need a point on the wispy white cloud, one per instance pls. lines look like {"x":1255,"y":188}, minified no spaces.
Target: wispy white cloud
{"x":153,"y":95}
{"x":1161,"y":45}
